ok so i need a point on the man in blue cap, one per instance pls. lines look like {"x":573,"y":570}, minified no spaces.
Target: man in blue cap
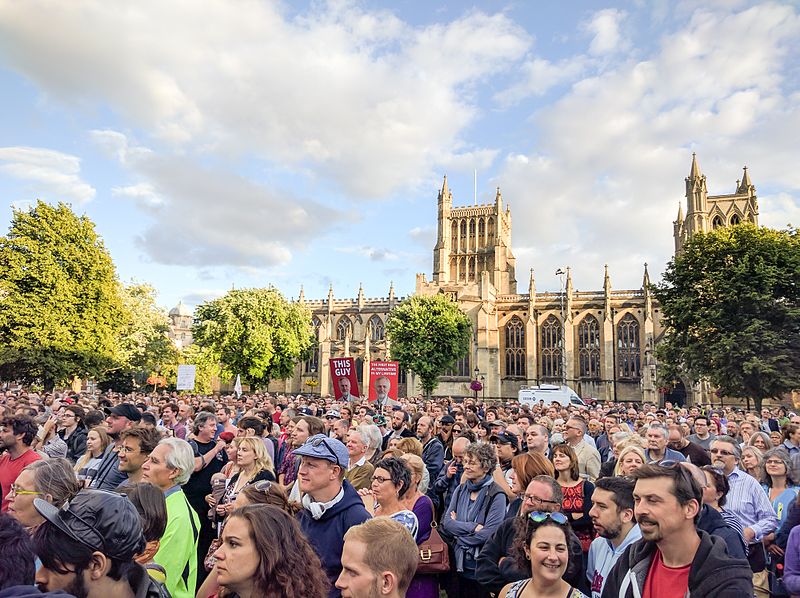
{"x":331,"y":505}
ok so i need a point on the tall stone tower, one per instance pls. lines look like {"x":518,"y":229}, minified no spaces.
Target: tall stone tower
{"x":706,"y":212}
{"x":471,"y":240}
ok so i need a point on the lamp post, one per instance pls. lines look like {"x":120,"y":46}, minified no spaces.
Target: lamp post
{"x":560,"y":273}
{"x":483,"y":389}
{"x":476,"y":373}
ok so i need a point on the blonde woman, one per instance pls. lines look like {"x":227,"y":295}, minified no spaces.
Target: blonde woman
{"x":97,"y":442}
{"x":752,"y":462}
{"x":254,"y":465}
{"x":630,"y":459}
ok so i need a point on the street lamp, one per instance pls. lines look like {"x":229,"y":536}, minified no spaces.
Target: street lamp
{"x":560,"y":273}
{"x":476,"y":385}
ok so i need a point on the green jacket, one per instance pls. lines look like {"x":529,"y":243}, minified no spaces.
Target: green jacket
{"x":178,"y":550}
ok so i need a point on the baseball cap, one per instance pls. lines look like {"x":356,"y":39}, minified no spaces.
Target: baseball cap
{"x":101,"y":520}
{"x":320,"y":446}
{"x":505,"y":438}
{"x":126,"y":410}
{"x":447,"y":419}
{"x":305,"y":411}
{"x":333,"y":413}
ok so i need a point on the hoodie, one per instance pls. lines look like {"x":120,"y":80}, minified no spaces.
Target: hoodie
{"x":713,"y":573}
{"x":326,"y":534}
{"x":603,"y":555}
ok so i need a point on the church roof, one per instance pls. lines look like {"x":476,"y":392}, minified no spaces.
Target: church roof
{"x":180,"y":310}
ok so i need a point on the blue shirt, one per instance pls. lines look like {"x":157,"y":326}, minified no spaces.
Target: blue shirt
{"x":747,"y":500}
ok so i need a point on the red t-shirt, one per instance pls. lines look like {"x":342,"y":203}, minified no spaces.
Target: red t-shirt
{"x":665,"y":582}
{"x":9,"y":471}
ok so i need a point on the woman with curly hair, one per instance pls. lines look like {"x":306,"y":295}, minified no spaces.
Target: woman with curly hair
{"x":265,"y":553}
{"x":541,"y":546}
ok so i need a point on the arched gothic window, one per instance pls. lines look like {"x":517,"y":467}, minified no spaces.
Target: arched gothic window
{"x":515,"y":348}
{"x":481,"y":227}
{"x":551,"y":348}
{"x":589,"y":347}
{"x":463,"y":228}
{"x":344,"y":328}
{"x":628,"y":351}
{"x":717,"y":222}
{"x":376,"y":332}
{"x":735,"y":220}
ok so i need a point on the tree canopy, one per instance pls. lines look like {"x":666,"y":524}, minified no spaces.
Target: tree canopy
{"x":428,"y":335}
{"x":60,"y":307}
{"x":731,"y":305}
{"x":254,"y":332}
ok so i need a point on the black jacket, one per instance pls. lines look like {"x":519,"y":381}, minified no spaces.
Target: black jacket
{"x":76,"y":443}
{"x":494,"y":576}
{"x":144,"y":586}
{"x":713,"y":574}
{"x":712,"y":523}
{"x":406,"y":433}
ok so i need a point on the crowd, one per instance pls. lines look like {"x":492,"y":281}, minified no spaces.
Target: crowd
{"x":261,"y":495}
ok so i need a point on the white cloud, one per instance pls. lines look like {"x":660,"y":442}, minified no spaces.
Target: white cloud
{"x":56,"y":175}
{"x":374,"y":254}
{"x":204,"y":216}
{"x":361,"y":97}
{"x":604,"y":26}
{"x":608,"y":170}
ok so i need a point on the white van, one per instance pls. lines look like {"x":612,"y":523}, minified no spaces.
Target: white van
{"x":563,"y":395}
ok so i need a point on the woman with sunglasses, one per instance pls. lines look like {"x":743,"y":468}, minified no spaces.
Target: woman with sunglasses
{"x":542,"y":547}
{"x":577,"y":491}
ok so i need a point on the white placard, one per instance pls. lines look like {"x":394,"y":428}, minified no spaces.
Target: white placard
{"x":186,"y":374}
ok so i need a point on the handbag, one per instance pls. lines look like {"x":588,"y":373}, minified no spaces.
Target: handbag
{"x":434,"y":554}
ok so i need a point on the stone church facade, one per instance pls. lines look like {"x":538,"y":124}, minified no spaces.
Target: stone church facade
{"x":601,"y":343}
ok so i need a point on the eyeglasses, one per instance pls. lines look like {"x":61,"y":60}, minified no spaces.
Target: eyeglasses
{"x":324,"y":442}
{"x":125,"y":449}
{"x":380,"y":479}
{"x":567,"y":427}
{"x":532,"y":498}
{"x":17,"y":491}
{"x":774,"y":462}
{"x":540,"y":516}
{"x":724,"y":453}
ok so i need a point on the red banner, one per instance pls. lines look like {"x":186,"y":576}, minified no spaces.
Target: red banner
{"x":345,"y":382}
{"x":383,"y":382}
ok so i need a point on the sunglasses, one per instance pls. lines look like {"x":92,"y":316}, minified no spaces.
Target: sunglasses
{"x":263,"y":486}
{"x":324,"y":443}
{"x":724,"y":453}
{"x":540,"y":516}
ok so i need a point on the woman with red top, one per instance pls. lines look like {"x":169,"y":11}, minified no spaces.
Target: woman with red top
{"x":577,"y":493}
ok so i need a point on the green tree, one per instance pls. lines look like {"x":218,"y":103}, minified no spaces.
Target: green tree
{"x":254,"y":332}
{"x":144,"y":344}
{"x":60,"y":307}
{"x":730,"y":303}
{"x":208,"y":368}
{"x":428,"y":335}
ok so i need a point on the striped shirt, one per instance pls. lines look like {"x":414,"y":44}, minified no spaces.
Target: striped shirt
{"x":747,"y":500}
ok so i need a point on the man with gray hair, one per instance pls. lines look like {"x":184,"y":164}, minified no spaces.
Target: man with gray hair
{"x":359,"y":472}
{"x":169,"y":467}
{"x":657,"y":451}
{"x":588,"y":457}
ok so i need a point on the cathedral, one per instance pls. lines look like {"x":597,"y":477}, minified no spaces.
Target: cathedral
{"x":601,"y":343}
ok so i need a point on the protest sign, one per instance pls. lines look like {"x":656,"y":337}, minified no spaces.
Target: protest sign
{"x":383,"y":382}
{"x":345,"y":382}
{"x":186,"y":374}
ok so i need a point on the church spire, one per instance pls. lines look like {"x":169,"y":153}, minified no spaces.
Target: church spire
{"x":607,"y":294}
{"x":302,"y":297}
{"x":498,"y":200}
{"x":746,"y":183}
{"x":694,"y":173}
{"x":680,"y":213}
{"x":646,"y":279}
{"x":360,"y":296}
{"x":391,"y":290}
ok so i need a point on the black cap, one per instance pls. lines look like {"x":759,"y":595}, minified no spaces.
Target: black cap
{"x":447,"y":419}
{"x":127,"y":410}
{"x":101,"y":520}
{"x":505,"y":438}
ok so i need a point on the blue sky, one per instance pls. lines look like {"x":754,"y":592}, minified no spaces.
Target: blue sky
{"x":253,"y":143}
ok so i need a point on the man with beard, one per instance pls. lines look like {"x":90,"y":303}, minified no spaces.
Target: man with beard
{"x":399,"y":428}
{"x":122,"y":417}
{"x":87,"y":548}
{"x":612,"y":517}
{"x":16,"y":435}
{"x":496,"y":563}
{"x":673,"y":559}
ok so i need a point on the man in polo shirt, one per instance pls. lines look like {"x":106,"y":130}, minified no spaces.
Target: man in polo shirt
{"x":16,"y":435}
{"x":121,"y":417}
